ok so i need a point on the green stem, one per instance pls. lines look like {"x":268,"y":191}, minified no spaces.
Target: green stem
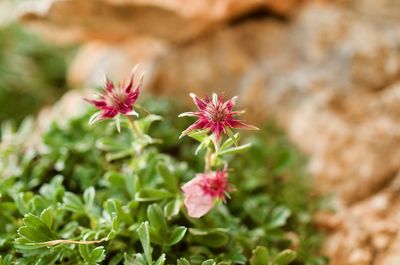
{"x":136,"y":130}
{"x":216,"y":144}
{"x":207,"y":160}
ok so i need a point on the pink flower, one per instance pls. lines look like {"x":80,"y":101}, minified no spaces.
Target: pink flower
{"x":116,"y":100}
{"x":216,"y":115}
{"x":203,"y":190}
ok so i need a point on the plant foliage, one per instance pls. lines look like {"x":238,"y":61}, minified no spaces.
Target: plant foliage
{"x":91,"y":196}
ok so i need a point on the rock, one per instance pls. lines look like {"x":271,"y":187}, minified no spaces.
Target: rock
{"x":117,"y":20}
{"x":368,"y":233}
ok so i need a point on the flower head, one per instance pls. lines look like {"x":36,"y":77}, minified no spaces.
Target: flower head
{"x":216,"y":115}
{"x":203,"y":190}
{"x":116,"y":99}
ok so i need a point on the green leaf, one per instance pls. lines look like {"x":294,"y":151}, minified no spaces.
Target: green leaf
{"x":130,"y":182}
{"x":177,"y":235}
{"x":36,"y":230}
{"x":172,"y":208}
{"x":112,"y":156}
{"x":278,"y":217}
{"x":232,"y":136}
{"x":22,"y":202}
{"x":110,"y":144}
{"x":146,"y":122}
{"x":170,"y":180}
{"x":230,"y":141}
{"x":182,"y":261}
{"x":133,"y":260}
{"x":208,"y":262}
{"x":97,"y":255}
{"x":88,"y":198}
{"x":85,"y":252}
{"x":157,"y":220}
{"x":260,"y":256}
{"x":47,"y":216}
{"x":285,"y":257}
{"x":161,"y":260}
{"x":151,"y":194}
{"x":213,"y":238}
{"x":235,"y":150}
{"x":199,"y":135}
{"x":144,"y":237}
{"x":73,"y":203}
{"x":92,"y":257}
{"x":204,"y":144}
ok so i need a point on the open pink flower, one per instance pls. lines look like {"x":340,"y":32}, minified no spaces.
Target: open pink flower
{"x":116,"y":99}
{"x":216,"y":115}
{"x":203,"y":190}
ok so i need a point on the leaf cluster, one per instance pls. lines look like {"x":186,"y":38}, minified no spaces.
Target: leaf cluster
{"x":91,"y":196}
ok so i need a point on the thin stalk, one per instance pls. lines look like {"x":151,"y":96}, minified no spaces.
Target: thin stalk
{"x":207,"y":160}
{"x":68,"y":241}
{"x":136,"y":130}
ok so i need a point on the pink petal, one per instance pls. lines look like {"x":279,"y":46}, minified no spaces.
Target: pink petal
{"x":241,"y":125}
{"x":130,"y":84}
{"x":198,"y":205}
{"x":201,"y":104}
{"x":230,"y":103}
{"x":135,"y":94}
{"x":193,"y":187}
{"x":217,"y":129}
{"x":109,"y":113}
{"x":189,"y":114}
{"x":199,"y":124}
{"x":98,"y":103}
{"x":109,"y":86}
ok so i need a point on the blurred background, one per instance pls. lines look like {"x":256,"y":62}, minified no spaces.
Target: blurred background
{"x":327,"y":71}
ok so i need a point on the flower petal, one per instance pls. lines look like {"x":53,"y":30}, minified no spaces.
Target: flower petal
{"x":241,"y":125}
{"x":95,"y":117}
{"x":193,"y":186}
{"x":230,"y":103}
{"x":197,"y":206}
{"x":109,"y":86}
{"x":201,"y":104}
{"x":128,"y":87}
{"x":132,"y":113}
{"x":188,"y":114}
{"x":199,"y":124}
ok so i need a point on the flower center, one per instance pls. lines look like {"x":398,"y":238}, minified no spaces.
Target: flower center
{"x":215,"y":185}
{"x":116,"y":97}
{"x":216,"y":113}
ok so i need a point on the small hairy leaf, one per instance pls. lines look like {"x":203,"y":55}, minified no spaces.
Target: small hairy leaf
{"x":285,"y":257}
{"x":260,"y":256}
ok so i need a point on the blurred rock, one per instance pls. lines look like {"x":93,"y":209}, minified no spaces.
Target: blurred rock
{"x":368,"y":231}
{"x":117,"y":20}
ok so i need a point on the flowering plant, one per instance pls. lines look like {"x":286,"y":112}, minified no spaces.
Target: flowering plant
{"x":94,"y":196}
{"x":216,"y":117}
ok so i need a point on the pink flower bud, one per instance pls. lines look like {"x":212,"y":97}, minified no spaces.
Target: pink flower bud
{"x":203,"y":190}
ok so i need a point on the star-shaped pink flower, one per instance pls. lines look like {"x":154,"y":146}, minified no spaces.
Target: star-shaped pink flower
{"x":116,"y":99}
{"x":216,"y":115}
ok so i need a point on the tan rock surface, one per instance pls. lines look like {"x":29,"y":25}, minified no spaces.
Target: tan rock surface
{"x":67,"y":21}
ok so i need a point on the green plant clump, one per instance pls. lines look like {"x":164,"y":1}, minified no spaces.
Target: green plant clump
{"x":90,"y":195}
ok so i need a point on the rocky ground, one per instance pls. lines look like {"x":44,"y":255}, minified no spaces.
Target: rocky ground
{"x":327,"y":71}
